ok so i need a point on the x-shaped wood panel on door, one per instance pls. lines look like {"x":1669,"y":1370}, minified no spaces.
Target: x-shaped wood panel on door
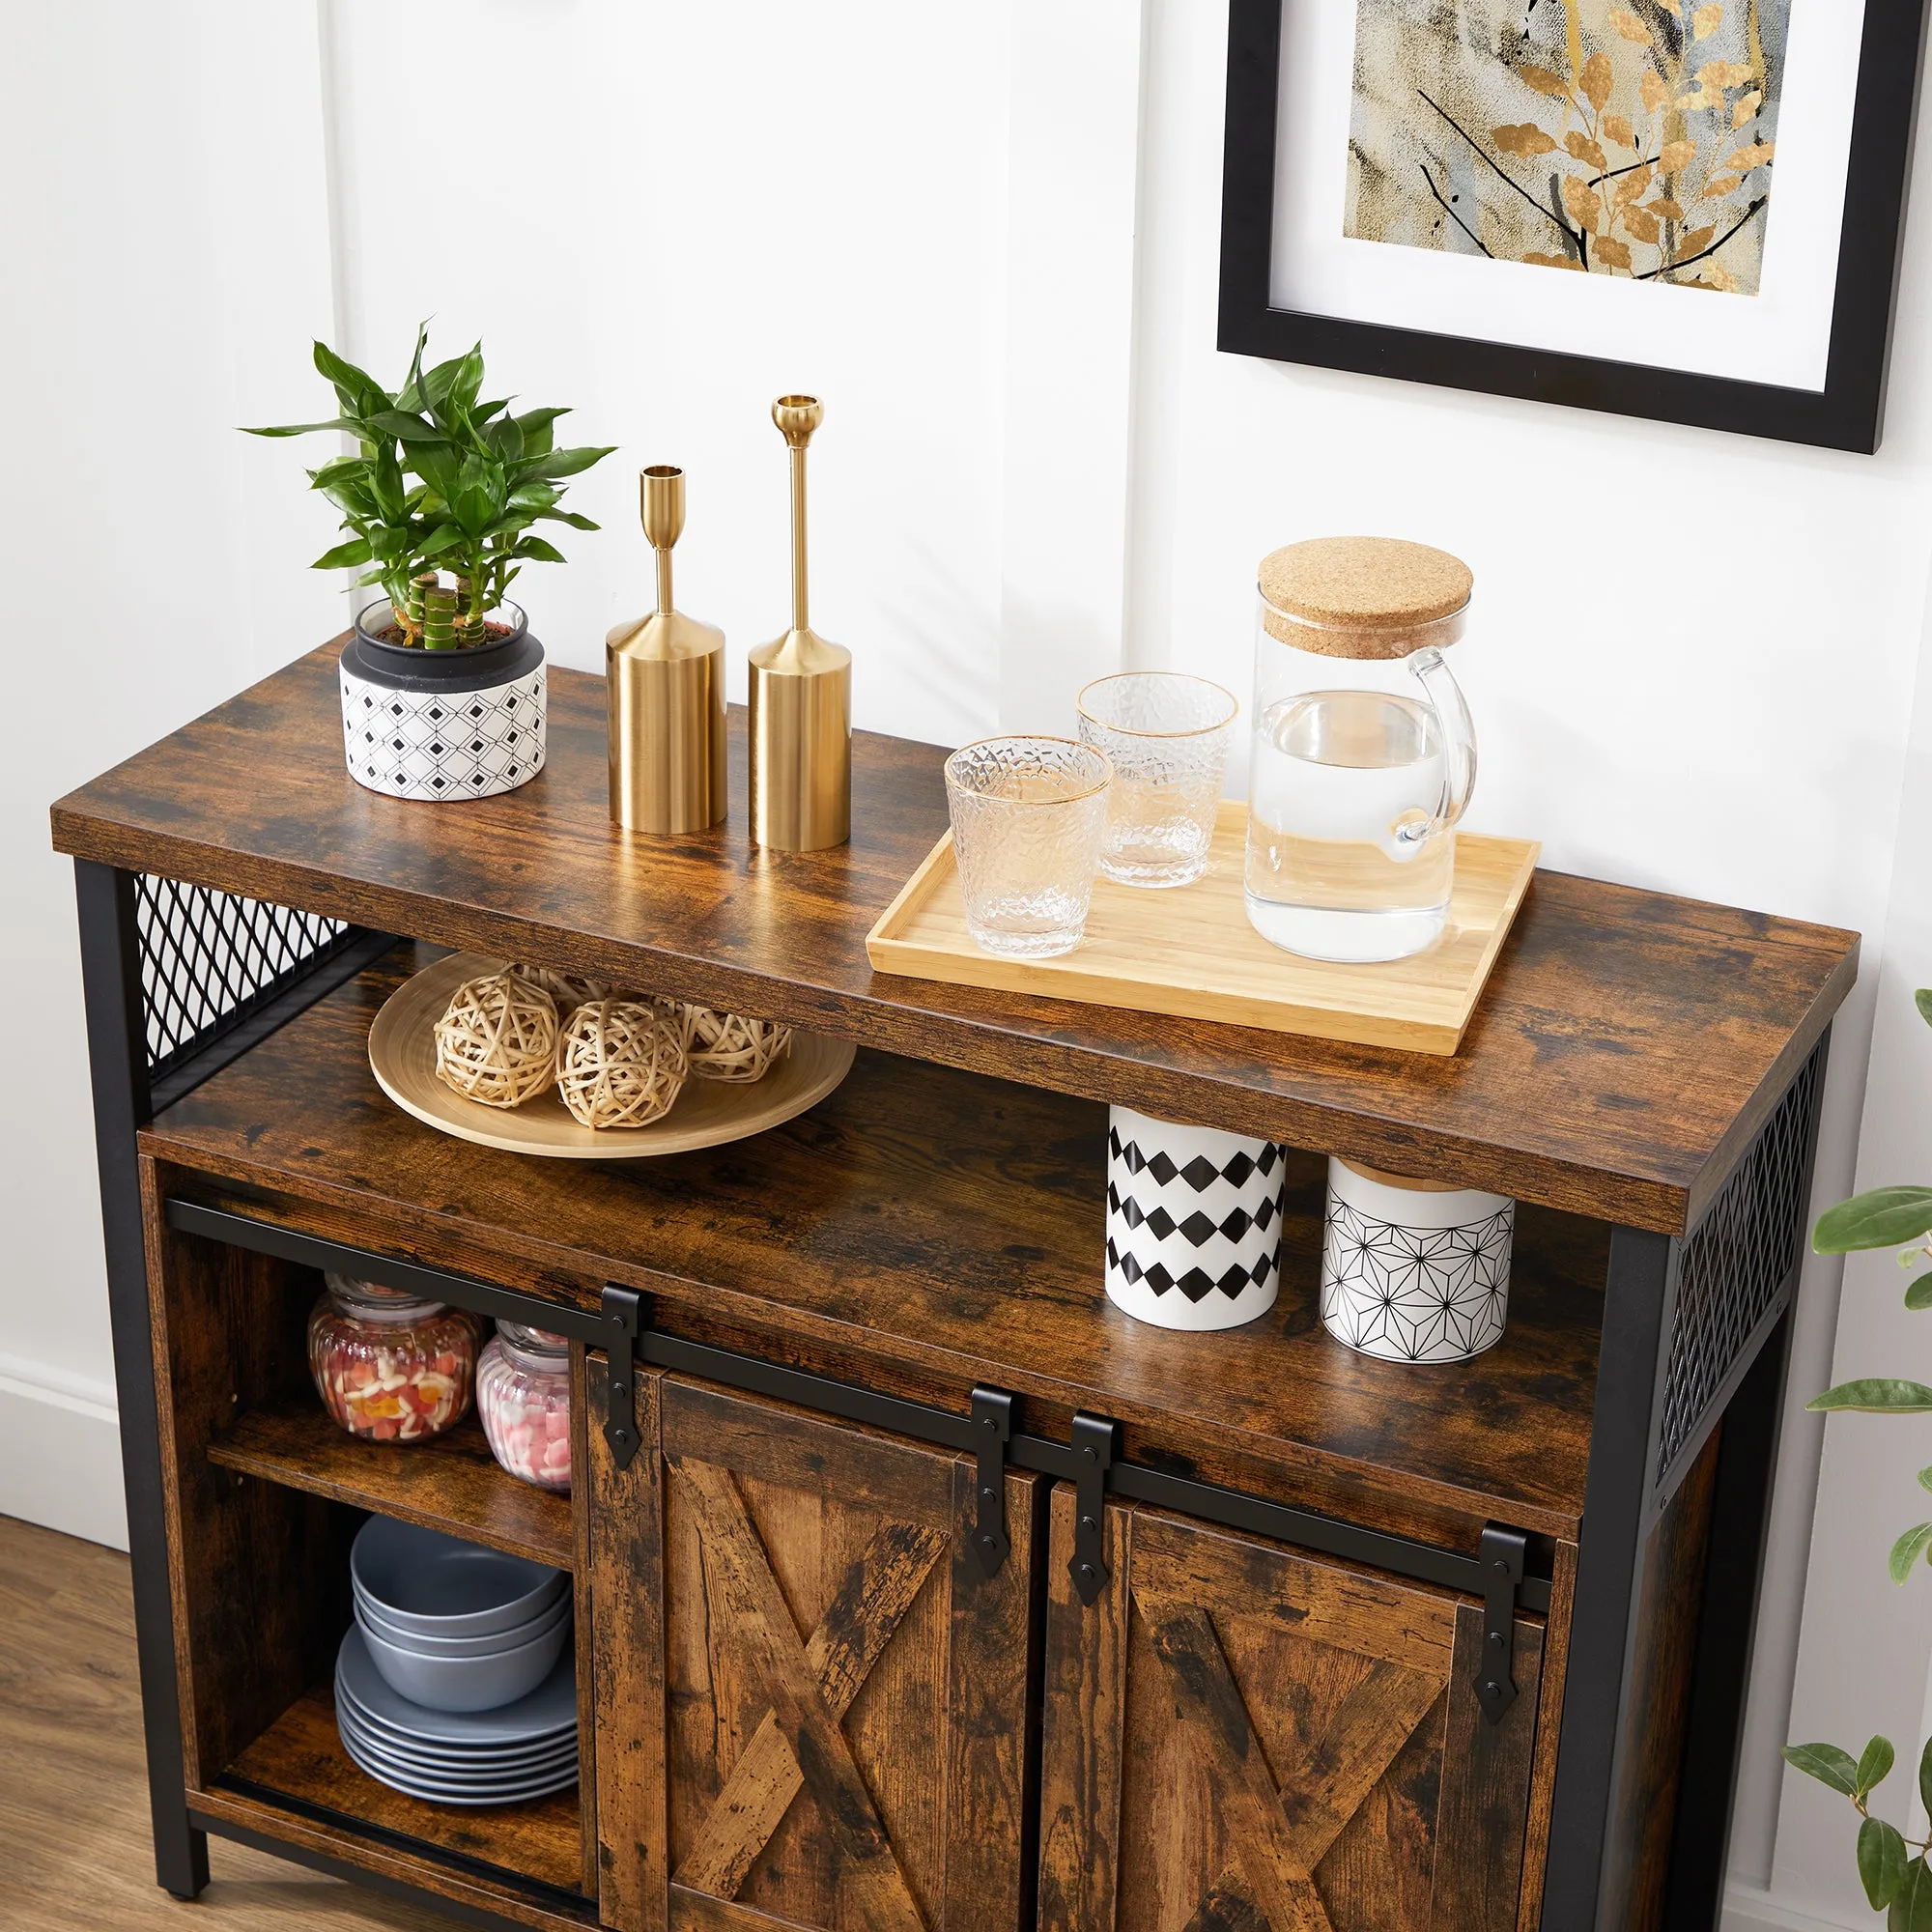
{"x":1279,"y":1836}
{"x":812,"y":1682}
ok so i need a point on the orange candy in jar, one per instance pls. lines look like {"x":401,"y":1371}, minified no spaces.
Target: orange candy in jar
{"x":523,"y":1394}
{"x":391,"y":1367}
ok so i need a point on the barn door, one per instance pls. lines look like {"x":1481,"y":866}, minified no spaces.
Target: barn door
{"x":1239,"y":1737}
{"x":811,"y":1700}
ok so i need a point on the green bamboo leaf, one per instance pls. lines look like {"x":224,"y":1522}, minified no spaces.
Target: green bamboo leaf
{"x":1919,"y":1291}
{"x":536,"y":426}
{"x":344,"y":556}
{"x":352,"y":424}
{"x":1875,"y":1763}
{"x":1827,"y":1763}
{"x":404,"y":427}
{"x":1922,"y":1000}
{"x":358,"y":390}
{"x":1907,"y":1550}
{"x":467,"y":381}
{"x":1885,"y":1218}
{"x":1875,"y":1396}
{"x":570,"y":517}
{"x":1882,"y":1862}
{"x":538,"y":552}
{"x":506,"y":439}
{"x":1911,"y":1904}
{"x":444,"y":537}
{"x":568,"y":462}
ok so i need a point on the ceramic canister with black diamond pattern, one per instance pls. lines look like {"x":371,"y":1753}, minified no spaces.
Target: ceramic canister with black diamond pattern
{"x":1193,"y":1222}
{"x":1413,"y":1270}
{"x":442,"y":724}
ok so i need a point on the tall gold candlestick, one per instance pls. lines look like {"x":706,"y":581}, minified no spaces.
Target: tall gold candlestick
{"x":801,"y":692}
{"x":667,"y":693}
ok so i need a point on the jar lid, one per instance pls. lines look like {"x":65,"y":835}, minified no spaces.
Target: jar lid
{"x":537,"y":1341}
{"x":371,"y":1302}
{"x":1363,"y":597}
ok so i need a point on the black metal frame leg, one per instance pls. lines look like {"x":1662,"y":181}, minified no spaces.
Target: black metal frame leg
{"x":117,"y":1054}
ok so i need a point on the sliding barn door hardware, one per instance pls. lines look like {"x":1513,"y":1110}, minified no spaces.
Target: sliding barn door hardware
{"x":993,"y":1416}
{"x":622,"y":1324}
{"x":618,"y":1318}
{"x":1503,"y":1551}
{"x":1095,"y":1440}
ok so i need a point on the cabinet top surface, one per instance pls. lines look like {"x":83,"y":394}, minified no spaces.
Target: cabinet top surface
{"x":1627,"y":1048}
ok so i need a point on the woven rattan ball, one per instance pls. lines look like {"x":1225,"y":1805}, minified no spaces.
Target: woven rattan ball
{"x":620,"y":1064}
{"x":570,"y":990}
{"x":497,"y":1042}
{"x":727,"y":1047}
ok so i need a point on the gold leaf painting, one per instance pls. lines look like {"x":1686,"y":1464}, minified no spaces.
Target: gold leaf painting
{"x":1636,"y":139}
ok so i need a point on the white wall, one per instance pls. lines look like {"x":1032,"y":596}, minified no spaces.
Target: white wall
{"x":1696,"y":667}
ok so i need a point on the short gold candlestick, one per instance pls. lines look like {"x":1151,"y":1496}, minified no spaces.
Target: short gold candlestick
{"x":667,"y":693}
{"x":801,"y":697}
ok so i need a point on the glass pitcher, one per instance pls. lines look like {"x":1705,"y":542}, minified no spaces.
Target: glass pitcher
{"x":1364,"y":756}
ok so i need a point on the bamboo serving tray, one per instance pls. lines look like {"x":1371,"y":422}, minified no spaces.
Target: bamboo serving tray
{"x":1191,"y":952}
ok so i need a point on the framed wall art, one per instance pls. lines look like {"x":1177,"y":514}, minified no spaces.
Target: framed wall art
{"x":1688,"y":210}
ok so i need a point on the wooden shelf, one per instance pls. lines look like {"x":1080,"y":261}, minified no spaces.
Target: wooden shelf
{"x":449,"y":1483}
{"x":938,"y":1220}
{"x":1625,"y":1051}
{"x":301,"y":1757}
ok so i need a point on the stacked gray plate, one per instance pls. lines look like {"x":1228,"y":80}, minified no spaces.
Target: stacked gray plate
{"x":458,"y":1681}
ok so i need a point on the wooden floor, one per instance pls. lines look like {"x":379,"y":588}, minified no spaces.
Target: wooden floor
{"x":74,"y":1799}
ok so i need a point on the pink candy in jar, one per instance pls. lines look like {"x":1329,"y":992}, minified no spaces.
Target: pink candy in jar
{"x":523,"y":1394}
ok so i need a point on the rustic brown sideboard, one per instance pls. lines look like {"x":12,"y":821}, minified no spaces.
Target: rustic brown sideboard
{"x":916,"y":1585}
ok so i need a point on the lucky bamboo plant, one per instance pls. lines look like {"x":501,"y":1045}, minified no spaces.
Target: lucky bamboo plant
{"x":441,"y":483}
{"x":1893,"y":1869}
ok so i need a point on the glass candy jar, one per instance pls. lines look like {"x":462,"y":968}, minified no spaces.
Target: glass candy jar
{"x":523,"y":1394}
{"x":1363,"y":756}
{"x":391,"y":1367}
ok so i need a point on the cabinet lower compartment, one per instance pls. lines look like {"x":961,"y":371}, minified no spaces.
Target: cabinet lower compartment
{"x":806,"y":1702}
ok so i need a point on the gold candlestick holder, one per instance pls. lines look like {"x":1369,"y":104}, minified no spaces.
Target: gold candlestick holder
{"x":801,"y":692}
{"x":667,"y":693}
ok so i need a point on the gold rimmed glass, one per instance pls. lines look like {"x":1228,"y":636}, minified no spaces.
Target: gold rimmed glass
{"x":1166,"y":734}
{"x":1028,"y":813}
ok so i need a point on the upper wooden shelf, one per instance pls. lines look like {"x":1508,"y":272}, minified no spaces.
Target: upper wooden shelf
{"x":1629,"y":1046}
{"x":918,"y":1221}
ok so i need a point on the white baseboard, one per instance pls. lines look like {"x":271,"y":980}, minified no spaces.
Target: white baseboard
{"x":1747,"y":1909}
{"x":59,"y":1454}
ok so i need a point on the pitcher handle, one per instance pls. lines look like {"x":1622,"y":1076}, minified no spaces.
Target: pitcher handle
{"x":1459,"y":741}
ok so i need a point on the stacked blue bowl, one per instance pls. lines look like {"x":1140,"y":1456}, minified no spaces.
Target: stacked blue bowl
{"x":457,"y":1682}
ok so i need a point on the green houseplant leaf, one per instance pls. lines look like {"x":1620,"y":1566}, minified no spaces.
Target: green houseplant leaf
{"x":1875,"y":1764}
{"x":1827,"y":1763}
{"x":1885,"y":1218}
{"x":1911,"y":1904}
{"x":1882,"y":1862}
{"x":1876,"y":1395}
{"x":1919,"y":1291}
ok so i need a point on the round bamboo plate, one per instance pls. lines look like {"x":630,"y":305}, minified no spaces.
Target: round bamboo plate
{"x":402,"y":1055}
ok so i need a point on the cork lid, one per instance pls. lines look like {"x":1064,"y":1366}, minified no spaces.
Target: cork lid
{"x":1363,"y":597}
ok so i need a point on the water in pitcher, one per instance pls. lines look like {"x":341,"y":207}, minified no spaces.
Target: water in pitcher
{"x":1342,"y":862}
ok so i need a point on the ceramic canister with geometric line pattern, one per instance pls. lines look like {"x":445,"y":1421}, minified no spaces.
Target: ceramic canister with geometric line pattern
{"x":1193,"y":1222}
{"x":1412,"y":1270}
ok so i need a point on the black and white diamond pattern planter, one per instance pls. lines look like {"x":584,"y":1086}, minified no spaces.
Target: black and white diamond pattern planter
{"x":1193,"y":1222}
{"x":442,"y":724}
{"x":1415,"y":1274}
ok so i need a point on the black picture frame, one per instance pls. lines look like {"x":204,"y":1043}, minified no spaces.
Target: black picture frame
{"x":1847,"y":414}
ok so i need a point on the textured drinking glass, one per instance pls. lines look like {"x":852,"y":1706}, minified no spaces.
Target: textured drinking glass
{"x":1167,"y":735}
{"x":1027,"y":814}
